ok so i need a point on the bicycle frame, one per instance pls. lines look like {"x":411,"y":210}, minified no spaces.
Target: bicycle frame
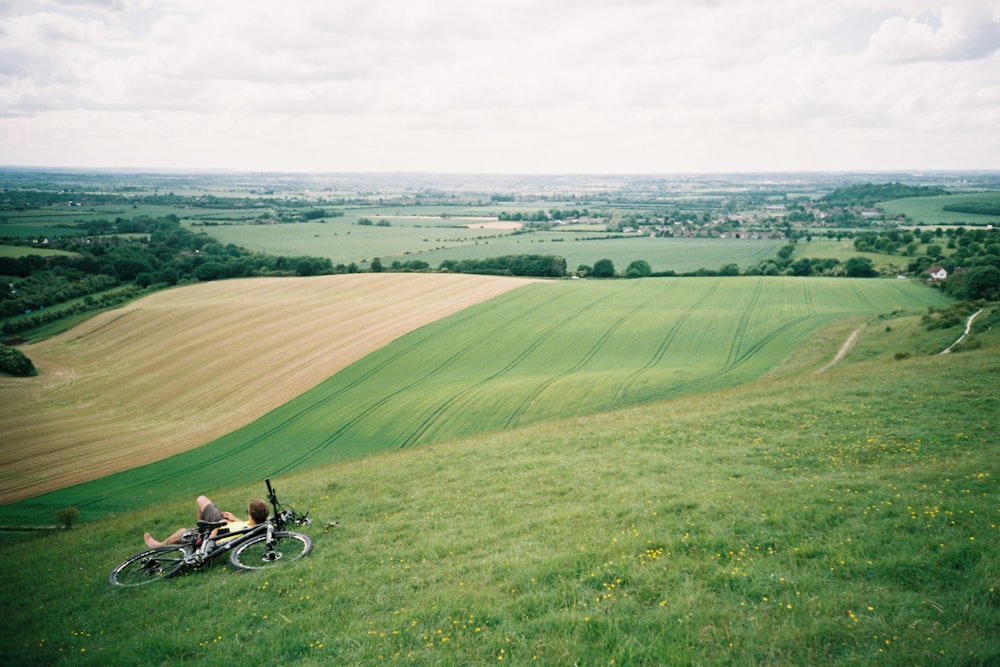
{"x":265,"y":544}
{"x":209,"y":547}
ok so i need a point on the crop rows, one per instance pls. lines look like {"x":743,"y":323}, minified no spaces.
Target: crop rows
{"x":544,"y":351}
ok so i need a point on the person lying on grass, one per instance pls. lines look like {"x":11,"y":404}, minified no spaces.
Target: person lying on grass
{"x":207,"y":511}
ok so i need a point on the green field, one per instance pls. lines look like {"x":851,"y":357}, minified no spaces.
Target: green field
{"x":23,"y":251}
{"x":681,"y":255}
{"x":344,"y":241}
{"x":930,"y":210}
{"x":542,"y":352}
{"x":820,"y":248}
{"x":843,"y":518}
{"x":434,"y":240}
{"x":23,"y":230}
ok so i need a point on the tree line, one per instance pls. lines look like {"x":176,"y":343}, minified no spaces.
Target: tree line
{"x":869,"y":194}
{"x":540,"y":266}
{"x":107,"y":268}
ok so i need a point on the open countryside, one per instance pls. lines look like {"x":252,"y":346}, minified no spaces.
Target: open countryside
{"x":541,"y":352}
{"x":768,"y":461}
{"x":841,"y":518}
{"x":179,"y":368}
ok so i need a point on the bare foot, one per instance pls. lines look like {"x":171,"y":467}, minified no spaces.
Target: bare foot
{"x":150,"y":542}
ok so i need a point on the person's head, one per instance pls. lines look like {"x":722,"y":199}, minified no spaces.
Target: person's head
{"x":258,"y":511}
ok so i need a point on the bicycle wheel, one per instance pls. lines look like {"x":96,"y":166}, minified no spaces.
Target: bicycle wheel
{"x":255,"y":554}
{"x":149,"y":566}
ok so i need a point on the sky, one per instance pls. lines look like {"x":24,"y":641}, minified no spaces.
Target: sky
{"x":501,"y":86}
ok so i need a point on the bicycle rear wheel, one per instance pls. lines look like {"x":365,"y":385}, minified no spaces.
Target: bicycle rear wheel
{"x":149,"y":566}
{"x":256,"y":555}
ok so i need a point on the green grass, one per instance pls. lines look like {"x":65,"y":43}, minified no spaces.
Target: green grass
{"x":840,"y":518}
{"x":681,"y":255}
{"x":930,"y":210}
{"x":545,"y":351}
{"x":344,"y":241}
{"x":29,"y":230}
{"x":435,"y":239}
{"x":843,"y":250}
{"x":23,"y":251}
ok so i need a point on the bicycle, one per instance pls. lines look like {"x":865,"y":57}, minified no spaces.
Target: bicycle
{"x":253,"y":548}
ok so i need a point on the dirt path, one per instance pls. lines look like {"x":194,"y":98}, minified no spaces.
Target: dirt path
{"x":844,"y":349}
{"x":182,"y":367}
{"x":968,"y":328}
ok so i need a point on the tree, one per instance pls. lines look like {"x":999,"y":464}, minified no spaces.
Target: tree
{"x":982,"y":282}
{"x":639,"y":268}
{"x":860,"y":267}
{"x":145,"y":279}
{"x":67,"y":516}
{"x":13,"y":361}
{"x":312,"y":266}
{"x":167,"y":276}
{"x":604,"y":268}
{"x":729,"y":270}
{"x":211,"y":271}
{"x":802,"y":267}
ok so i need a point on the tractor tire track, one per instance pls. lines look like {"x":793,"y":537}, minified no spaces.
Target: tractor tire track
{"x":665,"y":344}
{"x":263,"y":439}
{"x":361,"y":416}
{"x":432,"y":418}
{"x":526,"y":404}
{"x":744,"y":323}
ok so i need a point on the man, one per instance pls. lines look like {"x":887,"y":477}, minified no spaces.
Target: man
{"x":207,"y":511}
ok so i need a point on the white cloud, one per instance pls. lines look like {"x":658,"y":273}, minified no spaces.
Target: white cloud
{"x":964,"y":31}
{"x":509,"y":85}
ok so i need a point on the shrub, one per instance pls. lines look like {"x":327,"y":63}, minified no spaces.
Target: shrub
{"x":67,"y":516}
{"x":604,"y":268}
{"x":14,"y":362}
{"x":638,"y":269}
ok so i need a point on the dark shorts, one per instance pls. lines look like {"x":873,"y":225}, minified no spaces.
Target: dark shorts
{"x":211,"y":513}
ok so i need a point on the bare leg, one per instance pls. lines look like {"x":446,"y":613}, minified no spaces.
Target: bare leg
{"x":153,"y":542}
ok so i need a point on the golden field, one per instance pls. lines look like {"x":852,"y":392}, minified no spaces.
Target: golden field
{"x":180,"y":368}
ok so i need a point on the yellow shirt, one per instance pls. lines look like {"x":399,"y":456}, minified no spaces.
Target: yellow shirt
{"x":231,"y":527}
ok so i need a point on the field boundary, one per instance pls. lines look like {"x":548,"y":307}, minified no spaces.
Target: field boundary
{"x":168,"y":373}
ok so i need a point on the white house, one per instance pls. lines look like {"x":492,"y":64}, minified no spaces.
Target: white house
{"x":936,"y":274}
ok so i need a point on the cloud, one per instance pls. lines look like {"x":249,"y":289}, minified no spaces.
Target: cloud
{"x":967,"y":31}
{"x":452,"y":85}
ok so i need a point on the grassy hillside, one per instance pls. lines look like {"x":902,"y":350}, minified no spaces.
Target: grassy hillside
{"x":544,"y":351}
{"x":845,"y":517}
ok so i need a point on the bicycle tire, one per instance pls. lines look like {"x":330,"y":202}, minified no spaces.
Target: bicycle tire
{"x":255,"y":555}
{"x":148,"y":566}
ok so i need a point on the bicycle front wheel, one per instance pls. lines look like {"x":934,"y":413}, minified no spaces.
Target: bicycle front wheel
{"x":149,"y":566}
{"x":255,"y":554}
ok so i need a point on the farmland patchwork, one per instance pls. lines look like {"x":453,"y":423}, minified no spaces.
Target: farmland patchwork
{"x":544,"y":351}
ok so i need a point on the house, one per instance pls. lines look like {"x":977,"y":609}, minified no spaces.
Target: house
{"x":936,"y":274}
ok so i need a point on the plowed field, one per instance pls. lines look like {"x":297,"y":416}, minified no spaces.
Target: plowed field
{"x":183,"y":367}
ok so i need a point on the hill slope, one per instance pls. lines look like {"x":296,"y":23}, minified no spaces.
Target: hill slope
{"x":841,"y":518}
{"x":549,"y":350}
{"x":180,"y":368}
